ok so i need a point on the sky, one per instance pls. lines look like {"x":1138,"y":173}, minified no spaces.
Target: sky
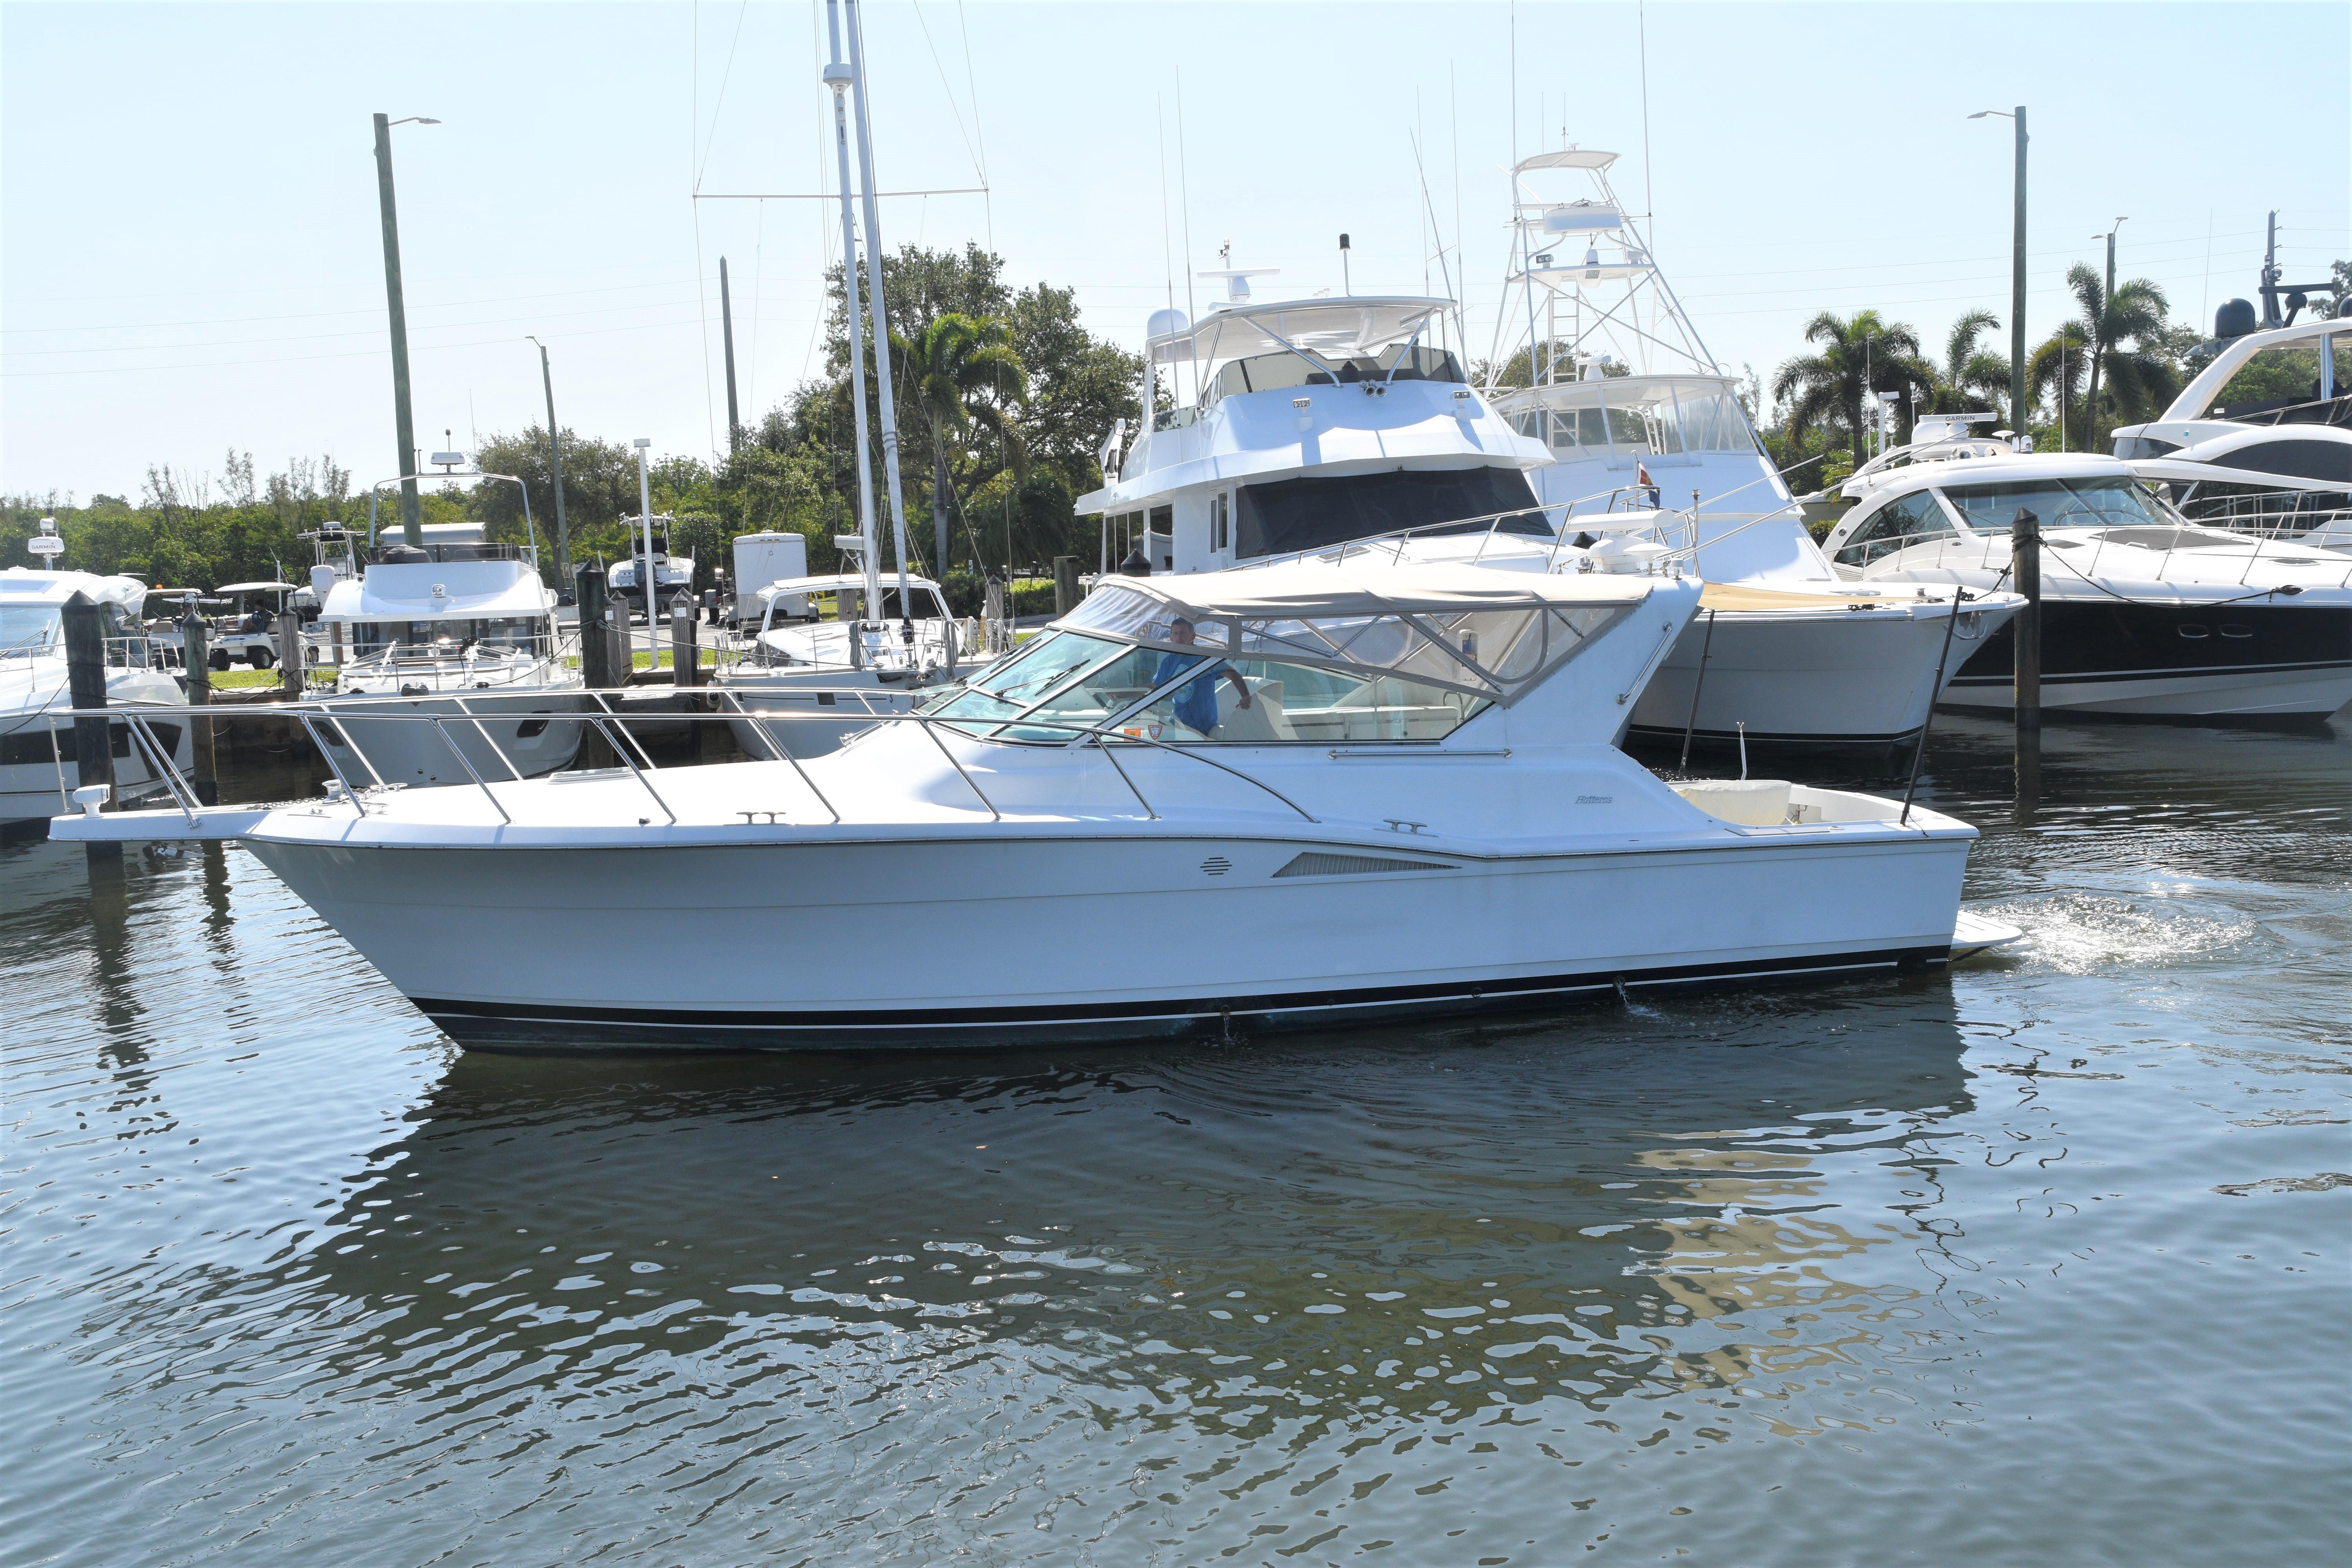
{"x":191,"y":260}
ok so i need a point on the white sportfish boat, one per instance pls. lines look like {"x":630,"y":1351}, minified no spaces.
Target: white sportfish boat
{"x":1240,"y":800}
{"x":2144,"y":614}
{"x":835,"y":674}
{"x":37,"y":771}
{"x":464,"y":630}
{"x":1654,"y":453}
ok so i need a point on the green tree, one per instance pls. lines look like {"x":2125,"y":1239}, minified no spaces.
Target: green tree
{"x":1857,"y":353}
{"x":967,"y":377}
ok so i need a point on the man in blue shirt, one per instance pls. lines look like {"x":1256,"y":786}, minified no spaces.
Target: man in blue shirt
{"x":1196,"y":699}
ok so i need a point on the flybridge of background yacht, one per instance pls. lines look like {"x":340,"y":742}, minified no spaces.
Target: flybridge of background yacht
{"x":1254,"y":799}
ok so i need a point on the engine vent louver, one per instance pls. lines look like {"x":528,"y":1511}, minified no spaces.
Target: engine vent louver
{"x":1313,"y":863}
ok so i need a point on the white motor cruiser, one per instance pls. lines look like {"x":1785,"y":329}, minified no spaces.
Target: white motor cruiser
{"x":2144,"y":612}
{"x":844,"y":670}
{"x":1653,"y":451}
{"x":1238,"y":800}
{"x":1304,"y":423}
{"x":2261,"y":441}
{"x":464,"y":630}
{"x":37,"y":771}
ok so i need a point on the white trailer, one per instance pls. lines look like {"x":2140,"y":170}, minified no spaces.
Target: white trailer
{"x":761,"y":559}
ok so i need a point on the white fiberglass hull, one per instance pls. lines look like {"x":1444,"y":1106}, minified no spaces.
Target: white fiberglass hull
{"x":1839,"y":677}
{"x":403,"y":748}
{"x":994,"y":933}
{"x":37,"y":771}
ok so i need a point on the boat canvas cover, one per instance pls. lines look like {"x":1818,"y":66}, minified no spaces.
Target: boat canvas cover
{"x":1464,"y":628}
{"x":833,"y":583}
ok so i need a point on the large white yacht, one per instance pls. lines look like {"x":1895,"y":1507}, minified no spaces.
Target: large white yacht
{"x":845,"y":670}
{"x":1303,"y":423}
{"x":2144,"y":612}
{"x":460,"y":628}
{"x":1230,"y":801}
{"x":1652,"y":451}
{"x":37,"y":771}
{"x":2261,"y":440}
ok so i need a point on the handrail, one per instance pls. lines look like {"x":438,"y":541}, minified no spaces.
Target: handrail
{"x":604,"y":721}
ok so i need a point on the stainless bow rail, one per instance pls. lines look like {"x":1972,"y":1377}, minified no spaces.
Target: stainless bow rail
{"x":608,"y":722}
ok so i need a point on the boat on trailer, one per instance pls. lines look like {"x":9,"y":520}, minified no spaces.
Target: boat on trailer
{"x":1237,"y":801}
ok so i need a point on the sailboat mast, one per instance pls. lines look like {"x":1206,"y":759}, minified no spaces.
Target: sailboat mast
{"x":874,"y":293}
{"x":836,"y":76}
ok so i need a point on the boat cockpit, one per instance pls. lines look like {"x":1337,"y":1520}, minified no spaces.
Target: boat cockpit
{"x":1285,"y":655}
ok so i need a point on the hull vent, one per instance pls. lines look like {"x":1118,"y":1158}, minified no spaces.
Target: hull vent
{"x":1316,"y":863}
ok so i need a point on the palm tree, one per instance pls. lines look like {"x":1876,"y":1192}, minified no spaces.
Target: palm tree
{"x":2140,"y":378}
{"x":1858,"y":354}
{"x":964,"y":371}
{"x":1971,"y":374}
{"x":2059,"y":366}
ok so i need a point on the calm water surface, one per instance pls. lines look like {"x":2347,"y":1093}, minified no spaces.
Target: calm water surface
{"x":2041,"y":1262}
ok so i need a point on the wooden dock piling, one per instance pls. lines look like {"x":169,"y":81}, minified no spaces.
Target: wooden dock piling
{"x":86,"y":688}
{"x":196,"y":665}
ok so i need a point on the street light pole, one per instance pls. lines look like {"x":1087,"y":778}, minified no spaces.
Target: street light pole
{"x":2017,"y":409}
{"x":555,"y":461}
{"x":411,"y":523}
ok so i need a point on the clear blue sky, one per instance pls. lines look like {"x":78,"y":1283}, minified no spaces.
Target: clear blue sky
{"x":190,"y":260}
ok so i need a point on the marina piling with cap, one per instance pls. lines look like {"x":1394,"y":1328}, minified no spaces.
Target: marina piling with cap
{"x":85,"y":638}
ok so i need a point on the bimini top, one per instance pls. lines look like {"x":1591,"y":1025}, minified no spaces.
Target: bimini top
{"x":1459,"y":627}
{"x":1348,"y":327}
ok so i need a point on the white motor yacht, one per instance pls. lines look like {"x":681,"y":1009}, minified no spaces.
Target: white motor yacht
{"x":1233,"y":801}
{"x":37,"y":771}
{"x":1307,"y":423}
{"x":844,"y":670}
{"x":2261,"y":440}
{"x":458,"y":628}
{"x":2144,"y":612}
{"x":1653,"y":452}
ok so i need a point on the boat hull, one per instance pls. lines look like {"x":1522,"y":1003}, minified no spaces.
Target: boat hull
{"x":904,"y":944}
{"x":2280,"y":663}
{"x":1852,"y":678}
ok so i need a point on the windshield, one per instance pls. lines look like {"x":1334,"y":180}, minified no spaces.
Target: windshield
{"x":2059,"y":503}
{"x":28,"y":627}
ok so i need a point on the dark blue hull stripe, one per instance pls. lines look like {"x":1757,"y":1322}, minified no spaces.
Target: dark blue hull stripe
{"x":531,"y":1026}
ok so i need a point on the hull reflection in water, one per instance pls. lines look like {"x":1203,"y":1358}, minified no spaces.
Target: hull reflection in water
{"x":926,"y":1298}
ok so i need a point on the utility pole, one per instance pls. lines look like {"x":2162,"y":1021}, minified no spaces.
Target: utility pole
{"x":411,"y":529}
{"x":2017,"y":409}
{"x":727,"y":332}
{"x":555,"y":462}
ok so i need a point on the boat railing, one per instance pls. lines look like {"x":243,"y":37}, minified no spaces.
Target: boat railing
{"x":322,"y":720}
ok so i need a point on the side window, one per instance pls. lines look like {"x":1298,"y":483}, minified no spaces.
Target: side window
{"x":1905,"y":520}
{"x":2280,"y":377}
{"x":1221,"y":521}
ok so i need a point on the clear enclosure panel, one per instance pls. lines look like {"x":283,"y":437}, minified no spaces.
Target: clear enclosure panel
{"x":1030,"y":675}
{"x":29,"y":626}
{"x":1254,"y":701}
{"x":2270,"y":380}
{"x":1899,"y":524}
{"x":2058,"y":503}
{"x":1102,"y":691}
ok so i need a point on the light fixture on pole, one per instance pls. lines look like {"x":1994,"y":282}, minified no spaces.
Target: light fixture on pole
{"x":2017,"y":279}
{"x":555,"y":463}
{"x":411,"y":521}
